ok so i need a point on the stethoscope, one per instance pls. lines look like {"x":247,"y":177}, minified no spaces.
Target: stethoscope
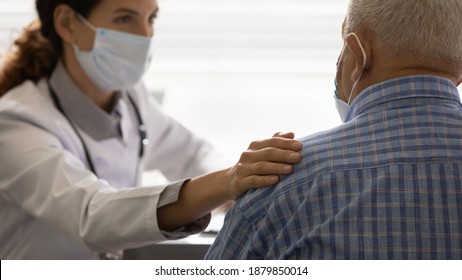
{"x":144,"y":141}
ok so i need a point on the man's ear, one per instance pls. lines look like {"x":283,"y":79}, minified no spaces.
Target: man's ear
{"x":361,"y":63}
{"x":64,"y":22}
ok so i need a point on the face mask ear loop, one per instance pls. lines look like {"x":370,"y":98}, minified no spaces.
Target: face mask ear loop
{"x":338,"y":62}
{"x":86,"y":22}
{"x":364,"y":65}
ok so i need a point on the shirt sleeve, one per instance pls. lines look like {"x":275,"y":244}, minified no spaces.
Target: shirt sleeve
{"x":170,"y":195}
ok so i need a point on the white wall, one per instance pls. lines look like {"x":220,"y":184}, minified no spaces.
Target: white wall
{"x":237,"y":70}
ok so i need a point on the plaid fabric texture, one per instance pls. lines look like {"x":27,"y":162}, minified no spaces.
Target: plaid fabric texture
{"x":385,"y":185}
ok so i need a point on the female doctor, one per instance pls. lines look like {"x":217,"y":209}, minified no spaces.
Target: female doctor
{"x":77,"y":129}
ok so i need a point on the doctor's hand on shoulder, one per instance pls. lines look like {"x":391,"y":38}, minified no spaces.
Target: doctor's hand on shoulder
{"x":259,"y":166}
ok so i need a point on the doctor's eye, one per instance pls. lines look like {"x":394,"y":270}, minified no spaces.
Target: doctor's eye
{"x":152,"y":19}
{"x":123,"y":19}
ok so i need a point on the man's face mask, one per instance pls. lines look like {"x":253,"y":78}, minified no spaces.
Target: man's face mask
{"x":343,"y":108}
{"x":118,"y":60}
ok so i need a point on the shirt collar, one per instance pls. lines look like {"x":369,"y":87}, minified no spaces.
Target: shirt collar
{"x":419,"y":86}
{"x":82,"y":111}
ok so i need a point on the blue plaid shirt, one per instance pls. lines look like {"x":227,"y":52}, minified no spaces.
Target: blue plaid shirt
{"x":385,"y":185}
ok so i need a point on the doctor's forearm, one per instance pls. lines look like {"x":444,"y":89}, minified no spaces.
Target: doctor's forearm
{"x":197,"y":198}
{"x":259,"y":166}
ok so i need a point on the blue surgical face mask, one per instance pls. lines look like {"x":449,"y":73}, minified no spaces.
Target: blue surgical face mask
{"x":118,"y":60}
{"x":343,"y":108}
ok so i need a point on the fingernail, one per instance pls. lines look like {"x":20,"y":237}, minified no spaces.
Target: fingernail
{"x":287,"y":168}
{"x":274,"y":179}
{"x":295,"y":157}
{"x":297,"y":145}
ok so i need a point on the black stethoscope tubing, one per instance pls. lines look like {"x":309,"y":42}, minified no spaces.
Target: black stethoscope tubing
{"x":141,"y":128}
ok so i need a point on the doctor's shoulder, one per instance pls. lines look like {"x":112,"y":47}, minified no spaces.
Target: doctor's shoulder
{"x":29,"y":102}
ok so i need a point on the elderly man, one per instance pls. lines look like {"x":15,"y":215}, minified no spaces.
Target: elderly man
{"x":387,"y":184}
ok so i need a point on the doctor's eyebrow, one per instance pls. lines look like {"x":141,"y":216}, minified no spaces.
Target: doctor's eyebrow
{"x":133,"y":12}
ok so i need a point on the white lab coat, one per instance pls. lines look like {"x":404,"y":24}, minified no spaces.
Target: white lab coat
{"x":53,"y":207}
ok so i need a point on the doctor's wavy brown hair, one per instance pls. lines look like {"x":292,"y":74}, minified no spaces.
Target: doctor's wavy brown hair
{"x":38,"y":48}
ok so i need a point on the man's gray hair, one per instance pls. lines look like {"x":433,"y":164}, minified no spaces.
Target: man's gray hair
{"x":427,"y":29}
